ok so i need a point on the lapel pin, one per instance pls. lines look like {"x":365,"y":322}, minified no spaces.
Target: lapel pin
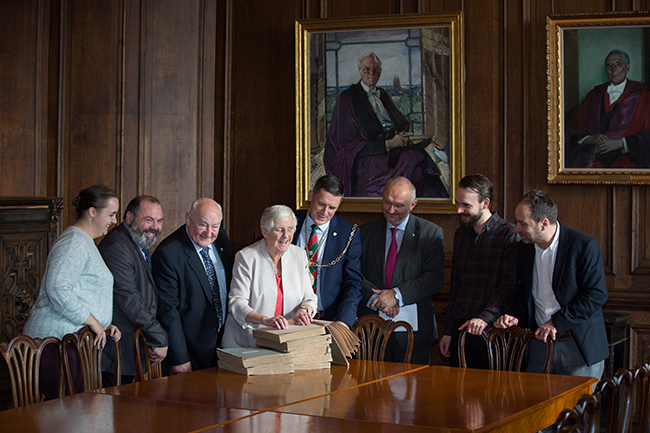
{"x":334,"y":234}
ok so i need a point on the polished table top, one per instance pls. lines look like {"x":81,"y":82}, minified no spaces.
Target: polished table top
{"x":367,"y":396}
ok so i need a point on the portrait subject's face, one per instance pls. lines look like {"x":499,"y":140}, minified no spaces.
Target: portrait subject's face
{"x":370,"y":72}
{"x":617,"y":68}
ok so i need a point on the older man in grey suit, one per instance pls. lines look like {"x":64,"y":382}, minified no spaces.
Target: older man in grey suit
{"x":402,"y":263}
{"x":125,"y":250}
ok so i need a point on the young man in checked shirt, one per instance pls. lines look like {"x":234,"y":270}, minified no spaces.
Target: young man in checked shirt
{"x":483,"y":275}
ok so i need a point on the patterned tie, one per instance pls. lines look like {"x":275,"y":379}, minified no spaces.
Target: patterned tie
{"x":391,"y":258}
{"x":147,"y":257}
{"x":214,"y":284}
{"x":312,"y":253}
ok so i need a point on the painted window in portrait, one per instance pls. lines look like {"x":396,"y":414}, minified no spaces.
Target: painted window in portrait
{"x":602,"y":99}
{"x":377,"y":98}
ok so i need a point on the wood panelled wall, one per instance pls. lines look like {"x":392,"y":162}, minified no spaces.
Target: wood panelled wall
{"x":190,"y":98}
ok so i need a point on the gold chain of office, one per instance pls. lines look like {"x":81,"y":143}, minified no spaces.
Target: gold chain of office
{"x":312,"y":261}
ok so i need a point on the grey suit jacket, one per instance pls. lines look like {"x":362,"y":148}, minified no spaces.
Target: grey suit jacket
{"x":135,"y":298}
{"x":418,"y":270}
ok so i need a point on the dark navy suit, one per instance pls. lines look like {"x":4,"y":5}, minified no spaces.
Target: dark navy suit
{"x":340,"y":284}
{"x":580,"y":289}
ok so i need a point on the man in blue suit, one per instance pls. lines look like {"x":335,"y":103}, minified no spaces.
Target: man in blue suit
{"x":562,"y":290}
{"x":338,"y":252}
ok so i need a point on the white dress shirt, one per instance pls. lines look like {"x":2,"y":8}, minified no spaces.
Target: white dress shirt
{"x":545,"y":302}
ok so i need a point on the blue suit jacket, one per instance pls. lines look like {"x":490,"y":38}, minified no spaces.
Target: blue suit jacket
{"x":579,"y":286}
{"x":340,"y":284}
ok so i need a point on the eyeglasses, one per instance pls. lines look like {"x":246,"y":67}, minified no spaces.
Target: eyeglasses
{"x":375,"y":70}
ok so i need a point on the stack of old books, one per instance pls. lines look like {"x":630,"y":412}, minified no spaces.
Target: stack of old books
{"x":255,"y":361}
{"x":308,"y":346}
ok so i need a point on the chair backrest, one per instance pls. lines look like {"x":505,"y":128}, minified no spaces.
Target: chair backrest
{"x":643,"y":416}
{"x":583,"y":418}
{"x":506,"y":348}
{"x":616,"y":396}
{"x":23,"y":357}
{"x":90,"y":360}
{"x":374,"y":332}
{"x":140,"y":350}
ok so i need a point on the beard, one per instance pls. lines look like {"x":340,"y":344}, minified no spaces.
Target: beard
{"x":473,"y":219}
{"x":139,"y":236}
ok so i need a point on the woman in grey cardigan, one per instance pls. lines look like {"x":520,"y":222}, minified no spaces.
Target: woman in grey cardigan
{"x":77,"y":286}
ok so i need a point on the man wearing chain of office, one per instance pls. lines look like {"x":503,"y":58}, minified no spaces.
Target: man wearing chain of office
{"x":333,"y":247}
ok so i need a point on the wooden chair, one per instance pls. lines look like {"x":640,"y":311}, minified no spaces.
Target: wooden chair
{"x":616,"y":396}
{"x":90,"y":360}
{"x":643,"y":416}
{"x":506,"y":348}
{"x":583,"y":418}
{"x":374,"y":332}
{"x":139,"y":346}
{"x":23,"y":357}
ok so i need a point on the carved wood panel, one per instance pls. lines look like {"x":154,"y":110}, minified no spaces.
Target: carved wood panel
{"x":28,"y":228}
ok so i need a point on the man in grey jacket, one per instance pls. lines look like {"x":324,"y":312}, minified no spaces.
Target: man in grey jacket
{"x":125,"y":250}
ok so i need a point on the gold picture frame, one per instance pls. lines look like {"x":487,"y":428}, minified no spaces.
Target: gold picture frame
{"x":423,"y":56}
{"x":590,"y":139}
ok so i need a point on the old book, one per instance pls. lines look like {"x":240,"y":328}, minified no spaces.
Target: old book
{"x":312,"y":366}
{"x":251,"y":356}
{"x":294,"y":332}
{"x":344,"y":342}
{"x":310,"y":343}
{"x":258,"y":369}
{"x":302,"y":358}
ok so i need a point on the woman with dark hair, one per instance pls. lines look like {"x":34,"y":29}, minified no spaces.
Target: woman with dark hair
{"x":77,"y":286}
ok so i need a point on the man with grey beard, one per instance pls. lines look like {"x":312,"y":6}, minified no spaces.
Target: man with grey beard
{"x":125,"y":250}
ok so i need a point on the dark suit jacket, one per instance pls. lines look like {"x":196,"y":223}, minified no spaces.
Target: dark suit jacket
{"x":579,"y":286}
{"x":135,"y":298}
{"x":186,"y":310}
{"x":340,"y":284}
{"x":418,"y":271}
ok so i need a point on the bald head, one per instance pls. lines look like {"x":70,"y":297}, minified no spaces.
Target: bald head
{"x":398,"y":200}
{"x":203,"y":221}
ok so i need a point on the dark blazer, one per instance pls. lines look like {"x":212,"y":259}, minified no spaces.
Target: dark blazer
{"x":579,"y":286}
{"x":418,"y":271}
{"x":186,"y":310}
{"x":135,"y":298}
{"x":340,"y":283}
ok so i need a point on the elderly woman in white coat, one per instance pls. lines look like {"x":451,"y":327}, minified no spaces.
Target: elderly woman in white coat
{"x":270,"y":283}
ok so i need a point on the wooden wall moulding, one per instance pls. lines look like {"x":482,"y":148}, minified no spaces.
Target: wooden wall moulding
{"x":28,"y":228}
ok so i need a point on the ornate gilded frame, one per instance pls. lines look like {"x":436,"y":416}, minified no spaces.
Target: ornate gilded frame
{"x":311,"y":134}
{"x":577,"y":46}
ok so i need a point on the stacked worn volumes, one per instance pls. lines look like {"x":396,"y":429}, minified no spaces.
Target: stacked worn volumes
{"x":254,"y":361}
{"x":308,"y":346}
{"x":281,"y":351}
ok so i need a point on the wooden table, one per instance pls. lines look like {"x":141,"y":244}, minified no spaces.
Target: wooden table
{"x":365,"y":397}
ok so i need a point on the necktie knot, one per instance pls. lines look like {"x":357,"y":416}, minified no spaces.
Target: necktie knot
{"x":374,"y":92}
{"x":147,"y":257}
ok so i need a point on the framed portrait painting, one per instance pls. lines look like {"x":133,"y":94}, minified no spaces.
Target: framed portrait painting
{"x":598,"y":99}
{"x":380,"y":97}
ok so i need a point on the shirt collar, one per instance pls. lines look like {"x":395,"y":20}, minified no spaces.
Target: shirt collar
{"x":617,"y":87}
{"x":554,"y":242}
{"x":366,"y":88}
{"x":321,"y":227}
{"x":401,"y":226}
{"x":196,"y":247}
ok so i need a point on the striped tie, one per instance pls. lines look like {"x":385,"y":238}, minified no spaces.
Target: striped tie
{"x":312,"y":253}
